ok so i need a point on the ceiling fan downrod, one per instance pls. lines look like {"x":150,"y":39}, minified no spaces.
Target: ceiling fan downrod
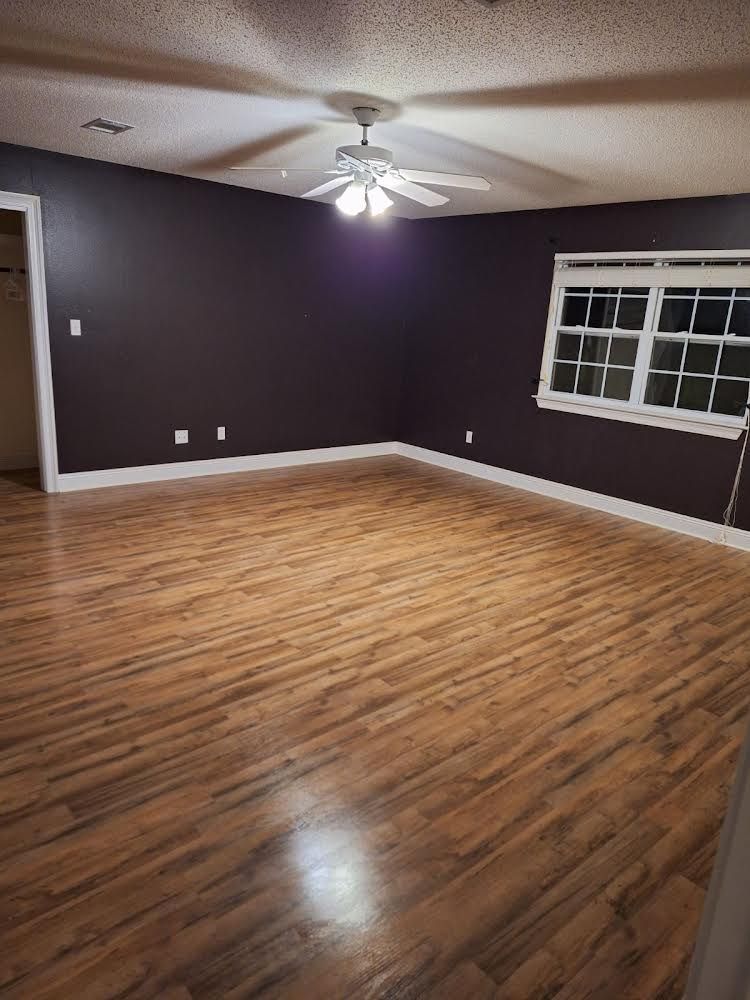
{"x":366,"y":118}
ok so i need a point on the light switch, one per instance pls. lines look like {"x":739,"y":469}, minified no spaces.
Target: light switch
{"x":180,"y":437}
{"x":469,"y":437}
{"x":75,"y":328}
{"x":221,"y":433}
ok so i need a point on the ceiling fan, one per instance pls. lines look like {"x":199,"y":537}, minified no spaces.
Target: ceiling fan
{"x":368,"y":170}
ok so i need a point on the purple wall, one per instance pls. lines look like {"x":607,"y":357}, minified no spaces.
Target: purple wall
{"x":203,"y":304}
{"x":295,"y":327}
{"x":475,"y":342}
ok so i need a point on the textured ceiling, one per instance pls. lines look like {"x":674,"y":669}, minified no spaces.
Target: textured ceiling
{"x":556,"y":102}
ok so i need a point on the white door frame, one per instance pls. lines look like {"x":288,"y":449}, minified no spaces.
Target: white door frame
{"x":30,"y":206}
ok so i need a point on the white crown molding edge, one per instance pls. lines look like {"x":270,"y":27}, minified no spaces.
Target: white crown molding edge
{"x":71,"y":481}
{"x":737,"y":538}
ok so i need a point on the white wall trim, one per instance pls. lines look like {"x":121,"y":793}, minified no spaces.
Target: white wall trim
{"x":673,"y":420}
{"x":30,"y":206}
{"x":69,"y":481}
{"x":737,"y":538}
{"x":696,"y":527}
{"x":656,"y":255}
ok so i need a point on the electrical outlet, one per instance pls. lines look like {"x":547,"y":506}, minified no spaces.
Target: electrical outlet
{"x":470,"y":437}
{"x":180,"y":437}
{"x":221,"y":433}
{"x":75,"y":328}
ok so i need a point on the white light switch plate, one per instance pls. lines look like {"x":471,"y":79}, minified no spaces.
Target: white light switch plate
{"x":469,"y":437}
{"x":75,"y":328}
{"x":180,"y":437}
{"x":221,"y":433}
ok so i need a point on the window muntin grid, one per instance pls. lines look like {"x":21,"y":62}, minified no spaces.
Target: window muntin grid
{"x":705,"y":311}
{"x":700,"y":359}
{"x":692,"y":346}
{"x":597,"y":341}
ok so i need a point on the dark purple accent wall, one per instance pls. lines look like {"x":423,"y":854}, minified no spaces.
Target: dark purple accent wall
{"x":475,"y":342}
{"x":206,"y":305}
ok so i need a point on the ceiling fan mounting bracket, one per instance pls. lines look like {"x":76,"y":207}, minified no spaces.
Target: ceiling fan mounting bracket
{"x":366,"y":116}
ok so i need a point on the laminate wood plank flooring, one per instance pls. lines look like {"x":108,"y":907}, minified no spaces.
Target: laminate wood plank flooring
{"x":368,"y":729}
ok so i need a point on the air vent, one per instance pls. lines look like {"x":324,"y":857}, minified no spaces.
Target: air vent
{"x":106,"y":126}
{"x":491,"y":4}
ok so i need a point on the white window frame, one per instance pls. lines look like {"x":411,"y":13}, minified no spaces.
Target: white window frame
{"x":657,"y":271}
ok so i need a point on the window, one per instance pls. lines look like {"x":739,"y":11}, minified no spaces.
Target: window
{"x":661,"y":340}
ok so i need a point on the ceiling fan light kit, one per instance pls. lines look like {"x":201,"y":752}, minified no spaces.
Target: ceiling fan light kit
{"x":378,"y":200}
{"x":353,"y":200}
{"x":367,"y":170}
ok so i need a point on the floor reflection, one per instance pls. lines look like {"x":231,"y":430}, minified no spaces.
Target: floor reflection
{"x":336,"y":874}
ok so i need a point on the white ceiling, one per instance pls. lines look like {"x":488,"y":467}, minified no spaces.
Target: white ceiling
{"x":556,"y":102}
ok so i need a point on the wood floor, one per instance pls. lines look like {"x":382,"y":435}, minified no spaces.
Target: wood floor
{"x":359,"y":730}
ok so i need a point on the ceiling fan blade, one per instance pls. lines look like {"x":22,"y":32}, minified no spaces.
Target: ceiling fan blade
{"x":35,"y":51}
{"x":448,"y":180}
{"x":264,"y":147}
{"x":328,"y":186}
{"x":502,"y":167}
{"x":354,"y":161}
{"x":423,"y":195}
{"x":724,"y":83}
{"x":290,"y":170}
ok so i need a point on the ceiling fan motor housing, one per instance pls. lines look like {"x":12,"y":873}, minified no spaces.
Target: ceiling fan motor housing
{"x":377,"y":157}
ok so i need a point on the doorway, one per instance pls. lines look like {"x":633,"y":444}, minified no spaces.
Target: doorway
{"x":28,"y":444}
{"x":18,"y":438}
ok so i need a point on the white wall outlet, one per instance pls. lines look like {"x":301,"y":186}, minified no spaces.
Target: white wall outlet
{"x":75,"y":328}
{"x":221,"y":433}
{"x":180,"y":437}
{"x":470,"y":437}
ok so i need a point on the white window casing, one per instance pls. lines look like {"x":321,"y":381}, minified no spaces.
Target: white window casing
{"x":689,"y":398}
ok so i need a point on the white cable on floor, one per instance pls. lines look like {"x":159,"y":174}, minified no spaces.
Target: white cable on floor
{"x":731,"y":510}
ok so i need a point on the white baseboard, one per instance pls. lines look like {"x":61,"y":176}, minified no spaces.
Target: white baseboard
{"x":25,"y":461}
{"x":70,"y":481}
{"x":737,"y":538}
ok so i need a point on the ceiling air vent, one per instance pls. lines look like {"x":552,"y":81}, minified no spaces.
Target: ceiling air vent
{"x":106,"y":126}
{"x":491,"y":4}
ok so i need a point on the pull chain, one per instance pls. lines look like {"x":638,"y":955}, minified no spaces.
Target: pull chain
{"x":731,"y":510}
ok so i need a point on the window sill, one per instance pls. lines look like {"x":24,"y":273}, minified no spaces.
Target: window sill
{"x":727,"y":427}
